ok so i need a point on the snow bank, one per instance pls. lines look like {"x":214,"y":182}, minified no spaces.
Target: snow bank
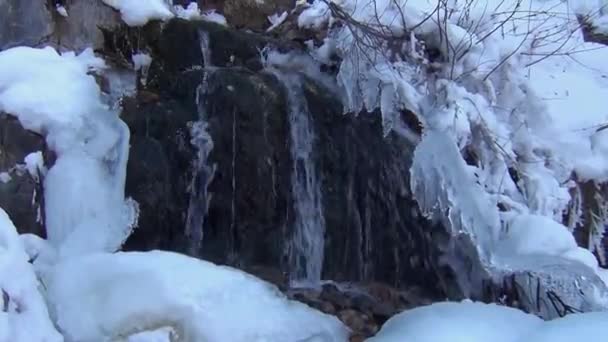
{"x":23,"y":314}
{"x":139,"y":12}
{"x":105,"y":296}
{"x":478,"y":322}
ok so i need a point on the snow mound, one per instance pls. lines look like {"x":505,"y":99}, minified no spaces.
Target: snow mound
{"x":139,"y":12}
{"x":106,"y":296}
{"x":458,"y":322}
{"x":536,"y":234}
{"x":478,"y":322}
{"x":23,"y":316}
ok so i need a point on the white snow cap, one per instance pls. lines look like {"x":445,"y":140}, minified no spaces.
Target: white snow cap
{"x":139,"y":12}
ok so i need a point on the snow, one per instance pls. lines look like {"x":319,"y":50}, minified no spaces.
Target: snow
{"x":457,"y":322}
{"x":25,"y":317}
{"x":61,"y":10}
{"x":5,"y":177}
{"x":26,"y":71}
{"x":104,"y":296}
{"x":141,"y":61}
{"x":192,"y":12}
{"x":139,"y":12}
{"x":189,"y":13}
{"x":160,"y":335}
{"x":315,"y":16}
{"x":214,"y":17}
{"x":276,"y":20}
{"x":536,"y":234}
{"x":478,"y":322}
{"x":34,"y":163}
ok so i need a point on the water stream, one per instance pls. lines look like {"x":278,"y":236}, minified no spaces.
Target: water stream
{"x":308,"y":241}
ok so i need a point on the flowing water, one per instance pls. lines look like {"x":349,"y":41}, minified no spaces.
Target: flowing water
{"x":307,"y":242}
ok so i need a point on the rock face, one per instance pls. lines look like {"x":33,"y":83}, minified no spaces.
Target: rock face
{"x":373,"y":231}
{"x":23,"y":22}
{"x":37,"y":23}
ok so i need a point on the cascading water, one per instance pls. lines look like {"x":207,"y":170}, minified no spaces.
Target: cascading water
{"x":202,"y":176}
{"x":308,"y":241}
{"x":202,"y":172}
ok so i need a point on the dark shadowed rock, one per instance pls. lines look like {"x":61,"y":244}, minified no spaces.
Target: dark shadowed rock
{"x":374,"y":229}
{"x":159,"y":168}
{"x":21,"y":196}
{"x":250,"y":208}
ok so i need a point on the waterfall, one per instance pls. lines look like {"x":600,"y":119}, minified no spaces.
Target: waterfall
{"x":202,"y":175}
{"x":308,"y":241}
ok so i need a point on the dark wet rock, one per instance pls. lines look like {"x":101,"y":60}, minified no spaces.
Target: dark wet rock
{"x":360,"y":306}
{"x":21,"y":196}
{"x":590,"y":32}
{"x":179,"y":47}
{"x":374,"y":229}
{"x":250,"y":208}
{"x":158,"y":171}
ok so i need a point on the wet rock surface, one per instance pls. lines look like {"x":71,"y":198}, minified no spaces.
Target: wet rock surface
{"x":363,"y":307}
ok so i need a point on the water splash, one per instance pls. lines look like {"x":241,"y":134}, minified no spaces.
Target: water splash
{"x":308,"y":240}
